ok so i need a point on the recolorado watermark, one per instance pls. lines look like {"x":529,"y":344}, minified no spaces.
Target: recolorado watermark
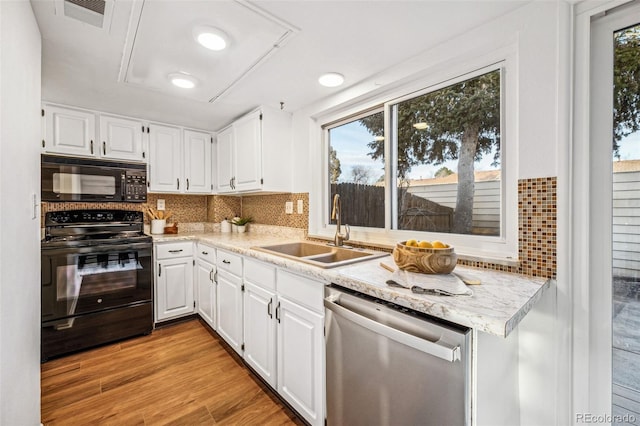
{"x":605,"y":418}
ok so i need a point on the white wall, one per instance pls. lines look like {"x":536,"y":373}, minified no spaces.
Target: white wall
{"x":539,"y":36}
{"x":19,"y":231}
{"x":532,"y":30}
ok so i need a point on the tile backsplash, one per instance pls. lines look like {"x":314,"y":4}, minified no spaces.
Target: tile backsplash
{"x":536,"y":218}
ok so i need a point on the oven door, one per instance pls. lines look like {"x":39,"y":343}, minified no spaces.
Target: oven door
{"x":75,"y":182}
{"x":81,"y":280}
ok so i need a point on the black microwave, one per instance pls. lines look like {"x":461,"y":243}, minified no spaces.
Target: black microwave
{"x":85,"y":179}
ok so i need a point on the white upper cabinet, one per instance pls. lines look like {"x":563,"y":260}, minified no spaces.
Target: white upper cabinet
{"x":121,"y":138}
{"x":224,"y":160}
{"x":69,"y":131}
{"x":165,"y":159}
{"x":254,"y":154}
{"x":197,"y":161}
{"x":179,"y":160}
{"x":248,"y":152}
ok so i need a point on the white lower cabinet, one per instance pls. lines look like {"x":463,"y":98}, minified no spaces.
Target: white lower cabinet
{"x":205,"y":284}
{"x":284,"y":335}
{"x":301,"y":345}
{"x":260,"y":332}
{"x":229,"y":299}
{"x":174,"y":280}
{"x":259,"y":319}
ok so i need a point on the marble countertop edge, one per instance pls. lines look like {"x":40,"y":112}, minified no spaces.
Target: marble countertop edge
{"x":497,"y":306}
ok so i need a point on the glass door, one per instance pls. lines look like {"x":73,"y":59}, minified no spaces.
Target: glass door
{"x":625,"y":259}
{"x":615,"y":209}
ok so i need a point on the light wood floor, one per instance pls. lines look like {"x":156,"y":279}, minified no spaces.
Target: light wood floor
{"x":179,"y":375}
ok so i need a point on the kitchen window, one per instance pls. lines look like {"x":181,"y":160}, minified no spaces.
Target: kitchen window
{"x":425,"y":165}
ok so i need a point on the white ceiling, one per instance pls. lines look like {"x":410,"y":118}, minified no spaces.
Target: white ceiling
{"x":278,"y":50}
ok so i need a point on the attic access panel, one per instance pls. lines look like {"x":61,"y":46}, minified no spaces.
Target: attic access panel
{"x":161,"y":42}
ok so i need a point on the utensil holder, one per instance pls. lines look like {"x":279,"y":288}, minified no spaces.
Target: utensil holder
{"x":157,"y":226}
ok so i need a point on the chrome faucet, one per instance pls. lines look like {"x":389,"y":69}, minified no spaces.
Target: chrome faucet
{"x":335,"y":215}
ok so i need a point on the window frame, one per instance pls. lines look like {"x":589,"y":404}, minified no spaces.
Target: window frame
{"x":502,"y":249}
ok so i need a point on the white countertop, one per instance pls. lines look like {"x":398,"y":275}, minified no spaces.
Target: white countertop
{"x":496,"y":307}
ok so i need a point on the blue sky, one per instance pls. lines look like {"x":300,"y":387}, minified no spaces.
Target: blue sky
{"x":350,"y":142}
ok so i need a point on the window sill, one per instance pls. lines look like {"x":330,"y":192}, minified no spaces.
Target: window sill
{"x":388,"y":247}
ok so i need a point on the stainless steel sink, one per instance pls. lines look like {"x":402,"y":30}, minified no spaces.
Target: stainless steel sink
{"x":321,"y":255}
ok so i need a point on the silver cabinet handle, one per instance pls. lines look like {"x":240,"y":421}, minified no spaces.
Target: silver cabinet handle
{"x":178,"y":183}
{"x":104,"y":148}
{"x":175,"y":251}
{"x":211,"y":275}
{"x":205,"y":253}
{"x":187,"y":184}
{"x":278,"y":312}
{"x":91,"y":146}
{"x":269,"y":306}
{"x":226,"y":261}
{"x":447,"y":353}
{"x":159,"y":270}
{"x":231,"y":183}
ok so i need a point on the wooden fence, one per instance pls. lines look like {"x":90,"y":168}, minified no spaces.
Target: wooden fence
{"x":363,"y":205}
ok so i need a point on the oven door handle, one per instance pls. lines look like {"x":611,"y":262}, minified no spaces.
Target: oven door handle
{"x":89,"y":225}
{"x":108,"y":248}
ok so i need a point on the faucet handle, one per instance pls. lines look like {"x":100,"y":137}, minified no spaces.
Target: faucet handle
{"x":347,"y":230}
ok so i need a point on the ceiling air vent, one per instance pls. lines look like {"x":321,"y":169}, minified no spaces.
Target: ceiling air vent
{"x":92,"y":12}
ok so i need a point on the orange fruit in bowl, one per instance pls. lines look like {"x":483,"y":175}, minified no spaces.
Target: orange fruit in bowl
{"x":438,"y":244}
{"x":425,"y":244}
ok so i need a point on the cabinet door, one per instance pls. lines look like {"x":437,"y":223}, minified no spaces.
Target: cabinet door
{"x":224,"y":160}
{"x":197,"y":162}
{"x":229,"y":299}
{"x":165,"y":159}
{"x":174,"y":288}
{"x":248,"y":152}
{"x":260,"y":331}
{"x":69,"y":131}
{"x":121,"y":138}
{"x":205,"y":292}
{"x":301,"y":359}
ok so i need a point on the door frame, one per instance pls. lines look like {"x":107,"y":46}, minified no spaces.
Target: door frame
{"x":590,"y":212}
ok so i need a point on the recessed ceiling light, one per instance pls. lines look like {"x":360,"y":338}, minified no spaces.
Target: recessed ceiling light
{"x":183,"y":80}
{"x":211,"y":38}
{"x":331,"y":79}
{"x":421,"y":126}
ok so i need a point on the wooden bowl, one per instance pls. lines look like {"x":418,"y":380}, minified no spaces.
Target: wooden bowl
{"x":424,"y":260}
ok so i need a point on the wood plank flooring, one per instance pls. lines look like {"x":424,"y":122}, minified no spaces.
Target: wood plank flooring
{"x":179,"y":375}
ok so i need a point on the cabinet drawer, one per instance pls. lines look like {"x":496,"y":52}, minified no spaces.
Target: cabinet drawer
{"x":207,"y":253}
{"x":303,"y":290}
{"x":172,"y":250}
{"x":260,"y":273}
{"x":229,"y":262}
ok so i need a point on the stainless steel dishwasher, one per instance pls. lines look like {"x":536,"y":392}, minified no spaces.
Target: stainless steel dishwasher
{"x":387,"y":365}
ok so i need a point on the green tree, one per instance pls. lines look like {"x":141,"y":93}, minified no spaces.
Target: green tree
{"x":334,"y":166}
{"x":626,"y":81}
{"x":443,"y":172}
{"x":459,"y":122}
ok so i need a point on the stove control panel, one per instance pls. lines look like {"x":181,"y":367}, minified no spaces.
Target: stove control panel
{"x":93,"y":216}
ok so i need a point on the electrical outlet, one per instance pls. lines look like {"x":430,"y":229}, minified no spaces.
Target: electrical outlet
{"x":300,"y":207}
{"x":288,"y":207}
{"x":160,"y":204}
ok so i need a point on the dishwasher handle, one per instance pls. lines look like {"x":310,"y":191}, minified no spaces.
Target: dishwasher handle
{"x":436,"y":349}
